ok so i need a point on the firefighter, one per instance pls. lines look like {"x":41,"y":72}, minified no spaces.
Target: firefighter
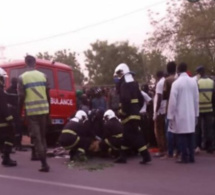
{"x":112,"y":138}
{"x":12,"y":96}
{"x":131,"y":102}
{"x":74,"y":136}
{"x":6,"y":127}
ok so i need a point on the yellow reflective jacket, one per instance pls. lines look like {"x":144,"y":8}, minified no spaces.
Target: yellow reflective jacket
{"x":36,"y":102}
{"x":206,"y":87}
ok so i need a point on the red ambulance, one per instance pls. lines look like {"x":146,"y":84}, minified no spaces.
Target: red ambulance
{"x":62,"y":90}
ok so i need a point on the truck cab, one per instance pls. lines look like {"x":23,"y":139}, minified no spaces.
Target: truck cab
{"x":62,"y":90}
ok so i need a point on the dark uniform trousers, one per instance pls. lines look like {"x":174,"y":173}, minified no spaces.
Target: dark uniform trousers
{"x":6,"y":125}
{"x":73,"y":142}
{"x":113,"y":143}
{"x":17,"y":125}
{"x":37,"y":125}
{"x":133,"y":136}
{"x":6,"y":138}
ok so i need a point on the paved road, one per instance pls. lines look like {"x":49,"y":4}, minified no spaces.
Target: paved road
{"x":161,"y":177}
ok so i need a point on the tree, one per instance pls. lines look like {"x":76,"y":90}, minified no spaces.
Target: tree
{"x":153,"y":61}
{"x":188,"y":30}
{"x":66,"y":57}
{"x":102,"y":59}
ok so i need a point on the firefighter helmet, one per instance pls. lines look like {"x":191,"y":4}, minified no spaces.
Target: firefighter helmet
{"x":121,"y":70}
{"x":3,"y":73}
{"x":81,"y":115}
{"x":109,"y":114}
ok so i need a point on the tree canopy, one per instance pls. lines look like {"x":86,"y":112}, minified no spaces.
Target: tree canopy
{"x":102,"y":59}
{"x":66,"y":57}
{"x":189,"y":31}
{"x":153,"y":62}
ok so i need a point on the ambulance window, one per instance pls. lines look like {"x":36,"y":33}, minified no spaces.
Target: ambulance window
{"x":15,"y":73}
{"x":64,"y":81}
{"x":49,"y":74}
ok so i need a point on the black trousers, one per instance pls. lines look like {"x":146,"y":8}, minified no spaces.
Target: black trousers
{"x":6,"y":139}
{"x":18,"y":127}
{"x":74,"y":142}
{"x":112,"y":142}
{"x":133,"y":136}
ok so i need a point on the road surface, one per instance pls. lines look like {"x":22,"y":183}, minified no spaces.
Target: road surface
{"x":161,"y":177}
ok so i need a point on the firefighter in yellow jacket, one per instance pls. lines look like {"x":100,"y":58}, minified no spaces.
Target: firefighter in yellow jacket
{"x":6,"y":127}
{"x":33,"y":94}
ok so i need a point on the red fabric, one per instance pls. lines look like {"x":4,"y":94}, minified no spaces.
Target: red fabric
{"x":189,"y":73}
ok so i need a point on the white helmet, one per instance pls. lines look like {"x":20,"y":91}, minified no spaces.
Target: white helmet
{"x":121,"y":69}
{"x":109,"y":114}
{"x":3,"y":73}
{"x":81,"y":115}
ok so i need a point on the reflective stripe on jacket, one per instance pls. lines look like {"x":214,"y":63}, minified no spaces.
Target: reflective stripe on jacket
{"x":206,"y":87}
{"x":36,"y":102}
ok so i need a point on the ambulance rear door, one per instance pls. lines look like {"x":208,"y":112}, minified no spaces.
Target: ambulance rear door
{"x":64,"y":105}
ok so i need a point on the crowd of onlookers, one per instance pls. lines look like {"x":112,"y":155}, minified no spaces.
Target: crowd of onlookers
{"x":154,"y":123}
{"x":104,"y":98}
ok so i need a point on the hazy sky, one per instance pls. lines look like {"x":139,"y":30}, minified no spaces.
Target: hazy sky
{"x":31,"y":26}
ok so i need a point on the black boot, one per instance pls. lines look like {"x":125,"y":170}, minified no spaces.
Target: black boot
{"x":45,"y":166}
{"x":6,"y":161}
{"x":146,"y":157}
{"x":122,"y":158}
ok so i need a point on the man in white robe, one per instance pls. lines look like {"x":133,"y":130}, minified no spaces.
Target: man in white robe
{"x":183,"y":111}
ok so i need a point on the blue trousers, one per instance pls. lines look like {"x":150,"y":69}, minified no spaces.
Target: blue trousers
{"x":172,"y":141}
{"x":187,"y":145}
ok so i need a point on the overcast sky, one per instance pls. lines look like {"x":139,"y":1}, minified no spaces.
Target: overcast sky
{"x":32,"y":26}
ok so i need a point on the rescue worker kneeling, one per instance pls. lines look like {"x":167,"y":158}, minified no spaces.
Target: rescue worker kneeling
{"x":6,"y":127}
{"x":73,"y":136}
{"x":112,"y":138}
